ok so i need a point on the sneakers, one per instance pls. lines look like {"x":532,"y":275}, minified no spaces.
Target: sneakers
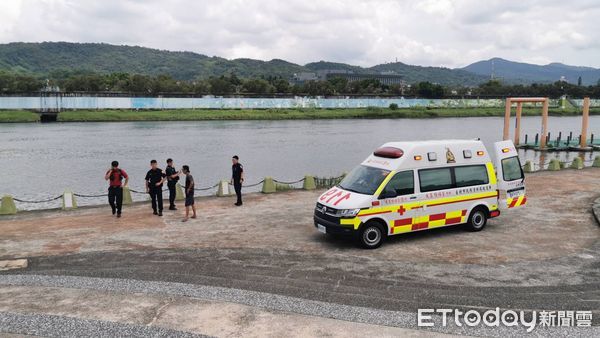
{"x":155,"y":213}
{"x":160,"y":213}
{"x":172,"y":208}
{"x":238,"y":204}
{"x":114,"y":211}
{"x":119,"y":215}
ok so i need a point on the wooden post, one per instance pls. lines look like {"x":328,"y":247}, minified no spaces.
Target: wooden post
{"x":544,"y":124}
{"x":506,"y":134}
{"x":518,"y":122}
{"x":584,"y":122}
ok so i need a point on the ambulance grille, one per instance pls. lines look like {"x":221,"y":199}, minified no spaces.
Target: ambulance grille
{"x":329,"y":215}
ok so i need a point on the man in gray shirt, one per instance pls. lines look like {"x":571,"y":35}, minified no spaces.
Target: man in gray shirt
{"x":189,"y":193}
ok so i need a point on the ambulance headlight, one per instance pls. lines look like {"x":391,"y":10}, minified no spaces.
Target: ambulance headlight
{"x":348,"y":212}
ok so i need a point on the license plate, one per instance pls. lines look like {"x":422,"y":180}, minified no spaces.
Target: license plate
{"x":515,"y":193}
{"x":322,"y":228}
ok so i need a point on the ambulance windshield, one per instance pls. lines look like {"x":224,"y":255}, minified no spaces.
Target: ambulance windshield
{"x":364,"y":180}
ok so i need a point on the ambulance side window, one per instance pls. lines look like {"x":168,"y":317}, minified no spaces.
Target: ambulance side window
{"x":435,"y":179}
{"x":470,"y":175}
{"x":403,"y":183}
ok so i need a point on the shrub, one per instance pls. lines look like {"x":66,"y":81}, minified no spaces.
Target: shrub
{"x":393,"y":106}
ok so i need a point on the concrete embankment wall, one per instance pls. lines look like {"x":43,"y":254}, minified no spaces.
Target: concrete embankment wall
{"x":61,"y":102}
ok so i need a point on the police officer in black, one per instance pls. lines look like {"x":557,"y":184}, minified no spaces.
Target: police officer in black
{"x":237,"y":178}
{"x":154,"y":182}
{"x":172,"y":178}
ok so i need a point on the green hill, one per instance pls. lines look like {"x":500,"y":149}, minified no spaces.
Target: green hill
{"x":52,"y":57}
{"x":411,"y":74}
{"x":519,"y":72}
{"x":60,"y":59}
{"x":441,"y":75}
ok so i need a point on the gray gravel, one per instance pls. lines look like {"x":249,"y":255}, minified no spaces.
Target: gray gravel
{"x":58,"y":326}
{"x":251,"y":298}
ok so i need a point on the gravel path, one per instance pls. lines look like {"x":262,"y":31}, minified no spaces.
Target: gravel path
{"x":257,"y":299}
{"x":60,"y":326}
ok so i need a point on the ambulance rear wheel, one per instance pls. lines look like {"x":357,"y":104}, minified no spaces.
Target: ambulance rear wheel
{"x":477,"y":219}
{"x":371,"y":235}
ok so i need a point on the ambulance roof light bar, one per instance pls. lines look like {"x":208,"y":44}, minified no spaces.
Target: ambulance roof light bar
{"x":388,"y":152}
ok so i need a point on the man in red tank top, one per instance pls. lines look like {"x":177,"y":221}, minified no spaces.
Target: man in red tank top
{"x":115,"y":176}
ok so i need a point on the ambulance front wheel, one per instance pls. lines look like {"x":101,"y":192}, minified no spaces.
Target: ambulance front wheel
{"x":477,"y":219}
{"x":371,"y":235}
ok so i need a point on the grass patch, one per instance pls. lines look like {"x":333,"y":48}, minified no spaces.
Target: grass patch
{"x":16,"y":116}
{"x":275,"y":114}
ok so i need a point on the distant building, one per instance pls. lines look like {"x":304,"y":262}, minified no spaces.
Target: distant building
{"x":322,"y":74}
{"x":304,"y":77}
{"x":386,"y":79}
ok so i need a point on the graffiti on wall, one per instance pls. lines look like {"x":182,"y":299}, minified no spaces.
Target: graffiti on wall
{"x":210,"y":102}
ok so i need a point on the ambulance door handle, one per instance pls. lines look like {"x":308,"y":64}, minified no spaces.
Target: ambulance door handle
{"x":413,"y":197}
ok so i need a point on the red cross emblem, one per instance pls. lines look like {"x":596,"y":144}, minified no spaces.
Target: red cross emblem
{"x":401,"y":210}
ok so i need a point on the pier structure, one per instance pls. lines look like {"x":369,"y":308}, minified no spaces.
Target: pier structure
{"x":543,"y":140}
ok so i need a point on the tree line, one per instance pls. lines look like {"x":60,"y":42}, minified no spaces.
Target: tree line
{"x":233,"y":85}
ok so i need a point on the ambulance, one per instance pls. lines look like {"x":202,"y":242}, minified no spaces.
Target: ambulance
{"x":413,"y":186}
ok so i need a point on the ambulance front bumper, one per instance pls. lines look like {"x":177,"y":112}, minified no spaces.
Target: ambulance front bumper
{"x":331,"y":226}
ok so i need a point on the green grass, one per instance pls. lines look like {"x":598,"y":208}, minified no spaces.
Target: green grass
{"x":14,"y":116}
{"x":292,"y":114}
{"x":273,"y":114}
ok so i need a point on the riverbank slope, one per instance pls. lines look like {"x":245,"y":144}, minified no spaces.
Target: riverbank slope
{"x":274,"y":114}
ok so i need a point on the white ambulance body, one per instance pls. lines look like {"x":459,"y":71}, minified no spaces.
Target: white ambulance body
{"x":412,"y":186}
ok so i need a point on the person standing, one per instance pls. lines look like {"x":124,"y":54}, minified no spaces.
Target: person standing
{"x":154,"y":183}
{"x":189,"y":193}
{"x":237,"y":178}
{"x":172,"y":178}
{"x":115,"y":176}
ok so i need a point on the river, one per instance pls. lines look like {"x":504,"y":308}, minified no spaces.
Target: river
{"x":41,"y":160}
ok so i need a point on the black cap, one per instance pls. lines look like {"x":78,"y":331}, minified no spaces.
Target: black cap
{"x":236,"y":157}
{"x":169,"y":160}
{"x":115,"y":163}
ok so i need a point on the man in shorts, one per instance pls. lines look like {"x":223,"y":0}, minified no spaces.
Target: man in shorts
{"x":189,"y":193}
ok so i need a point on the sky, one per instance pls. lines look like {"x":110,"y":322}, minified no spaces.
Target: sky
{"x":368,"y":32}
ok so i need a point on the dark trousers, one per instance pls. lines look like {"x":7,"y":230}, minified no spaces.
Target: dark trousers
{"x":115,"y":194}
{"x":172,"y":193}
{"x":238,"y":191}
{"x":157,"y":201}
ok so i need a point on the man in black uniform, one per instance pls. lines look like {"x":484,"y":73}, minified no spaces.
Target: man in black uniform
{"x":154,"y":182}
{"x":172,"y":178}
{"x":237,"y":178}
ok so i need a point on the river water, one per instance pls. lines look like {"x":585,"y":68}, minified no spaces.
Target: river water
{"x":41,"y":160}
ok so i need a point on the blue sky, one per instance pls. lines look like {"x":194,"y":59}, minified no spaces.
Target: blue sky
{"x":428,"y":32}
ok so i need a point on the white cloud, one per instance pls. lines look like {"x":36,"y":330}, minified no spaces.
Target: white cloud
{"x":428,"y":32}
{"x":436,"y":7}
